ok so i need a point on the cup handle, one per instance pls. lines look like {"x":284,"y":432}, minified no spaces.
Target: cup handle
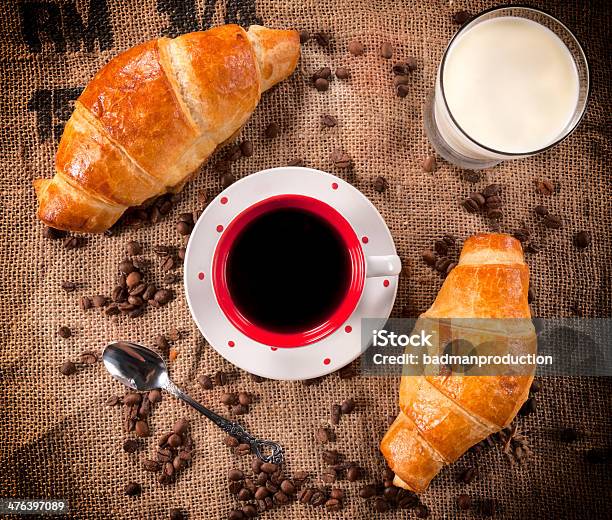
{"x":389,"y":265}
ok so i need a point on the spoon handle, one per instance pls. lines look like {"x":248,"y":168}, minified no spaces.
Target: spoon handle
{"x":231,"y":428}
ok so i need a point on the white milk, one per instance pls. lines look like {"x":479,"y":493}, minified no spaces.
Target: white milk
{"x":511,"y":84}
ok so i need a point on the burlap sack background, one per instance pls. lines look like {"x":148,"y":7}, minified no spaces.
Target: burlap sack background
{"x":59,"y":440}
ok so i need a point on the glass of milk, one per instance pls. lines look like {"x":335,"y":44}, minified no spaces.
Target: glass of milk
{"x":513,"y":82}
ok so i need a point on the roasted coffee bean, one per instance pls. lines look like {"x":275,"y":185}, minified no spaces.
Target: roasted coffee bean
{"x":140,"y":263}
{"x":528,"y":407}
{"x":356,"y":48}
{"x":53,"y":234}
{"x":231,"y":441}
{"x":582,"y":239}
{"x":246,"y":148}
{"x":442,"y":264}
{"x":68,"y":368}
{"x":113,"y":400}
{"x":306,"y":495}
{"x":342,"y":73}
{"x":487,"y":507}
{"x":322,"y":39}
{"x":328,"y":121}
{"x":168,"y":263}
{"x":495,"y":214}
{"x":521,"y":234}
{"x":175,"y":440}
{"x":491,"y":189}
{"x":170,"y":278}
{"x":441,"y":247}
{"x":269,"y":467}
{"x":262,"y":478}
{"x":227,"y":179}
{"x":429,"y":257}
{"x":336,"y":493}
{"x":155,"y":396}
{"x":119,"y":294}
{"x":464,"y":501}
{"x":89,"y":358}
{"x":321,"y":84}
{"x":181,"y":426}
{"x":287,"y":487}
{"x":468,"y":475}
{"x":205,"y":382}
{"x":240,"y":409}
{"x":541,"y":211}
{"x":162,"y":343}
{"x":221,"y":378}
{"x":544,"y":187}
{"x":163,"y":296}
{"x":386,"y":50}
{"x":235,"y":474}
{"x":126,"y":267}
{"x":229,"y":399}
{"x":244,"y":398}
{"x":111,"y":310}
{"x":236,"y":514}
{"x":184,"y":228}
{"x":348,"y":406}
{"x":74,"y":242}
{"x":429,"y":164}
{"x":85,"y":303}
{"x":135,"y":300}
{"x":249,"y":510}
{"x":530,"y":295}
{"x":353,"y":473}
{"x":296,"y":162}
{"x":470,"y":205}
{"x":400,"y":80}
{"x":130,"y":445}
{"x":169,"y":469}
{"x":553,"y":221}
{"x":460,"y":17}
{"x":335,"y":414}
{"x":367,"y":491}
{"x":222,"y":166}
{"x":323,"y":72}
{"x":318,"y":498}
{"x":304,"y":36}
{"x":340,"y":158}
{"x":133,"y":489}
{"x":151,"y":465}
{"x":471,"y":176}
{"x":479,"y":198}
{"x":272,"y":130}
{"x":261,"y":493}
{"x":407,"y":499}
{"x":421,"y":511}
{"x":333,"y":505}
{"x":233,"y":153}
{"x":133,"y":248}
{"x":323,"y":435}
{"x":536,"y":386}
{"x":331,"y":457}
{"x":381,"y":505}
{"x":176,"y":514}
{"x":402,"y":91}
{"x":64,"y":332}
{"x":568,"y":435}
{"x":390,"y":493}
{"x":271,"y":487}
{"x":142,"y":429}
{"x":281,"y":498}
{"x":68,"y":286}
{"x":450,"y":267}
{"x":380,"y":184}
{"x":133,"y":279}
{"x":493,"y":202}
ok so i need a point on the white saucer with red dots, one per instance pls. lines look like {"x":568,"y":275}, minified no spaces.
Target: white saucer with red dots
{"x":340,"y":345}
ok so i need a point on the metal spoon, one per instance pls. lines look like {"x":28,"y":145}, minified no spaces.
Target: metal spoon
{"x":143,"y":369}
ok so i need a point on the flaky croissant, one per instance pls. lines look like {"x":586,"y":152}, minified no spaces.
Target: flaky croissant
{"x":153,"y":114}
{"x":441,"y":416}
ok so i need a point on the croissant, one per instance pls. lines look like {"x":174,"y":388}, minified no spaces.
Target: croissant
{"x":152,"y":115}
{"x":442,"y":415}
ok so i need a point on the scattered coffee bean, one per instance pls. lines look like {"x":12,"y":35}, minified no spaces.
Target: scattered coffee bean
{"x":541,"y":211}
{"x":340,"y":158}
{"x":180,"y":427}
{"x":142,"y":429}
{"x":529,"y":407}
{"x":381,"y":505}
{"x":227,"y":179}
{"x":69,"y":286}
{"x":133,"y":279}
{"x":235,"y":474}
{"x":321,"y":84}
{"x":367,"y":491}
{"x":322,"y":39}
{"x":464,"y":502}
{"x":229,"y":399}
{"x":544,"y":187}
{"x":323,"y":72}
{"x":530,"y":295}
{"x":460,"y":17}
{"x":151,"y":465}
{"x":85,"y":303}
{"x":328,"y":121}
{"x":429,"y":257}
{"x":244,"y":398}
{"x":421,"y":511}
{"x":112,"y":310}
{"x":400,"y":80}
{"x":553,"y":221}
{"x":89,"y":358}
{"x":470,"y":205}
{"x":305,"y":496}
{"x":205,"y":382}
{"x":163,"y":296}
{"x":324,"y":435}
{"x":356,"y":48}
{"x":133,"y":248}
{"x":304,"y":36}
{"x":582,"y":239}
{"x":68,"y":368}
{"x":64,"y":332}
{"x":386,"y":50}
{"x":230,"y":441}
{"x":74,"y":242}
{"x":348,"y":406}
{"x":133,"y":489}
{"x":429,"y":164}
{"x":380,"y":184}
{"x":568,"y":435}
{"x":333,"y":505}
{"x":176,"y":514}
{"x":287,"y":487}
{"x":342,"y":73}
{"x":269,"y":467}
{"x":272,"y":130}
{"x":175,"y":440}
{"x":318,"y":498}
{"x":130,"y":445}
{"x":296,"y":162}
{"x":468,"y":475}
{"x":536,"y":386}
{"x":221,"y":378}
{"x":246,"y":148}
{"x":402,"y":91}
{"x":335,"y":414}
{"x":184,"y":228}
{"x":495,"y":214}
{"x":53,"y":234}
{"x":113,"y":400}
{"x":353,"y":473}
{"x":240,"y":409}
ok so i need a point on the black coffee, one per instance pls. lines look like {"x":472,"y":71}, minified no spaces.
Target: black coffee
{"x":288,"y":270}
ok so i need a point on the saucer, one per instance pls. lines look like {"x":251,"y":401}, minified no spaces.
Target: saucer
{"x":338,"y":348}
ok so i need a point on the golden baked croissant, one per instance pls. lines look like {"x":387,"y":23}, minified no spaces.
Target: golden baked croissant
{"x":441,"y":416}
{"x":153,"y":114}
